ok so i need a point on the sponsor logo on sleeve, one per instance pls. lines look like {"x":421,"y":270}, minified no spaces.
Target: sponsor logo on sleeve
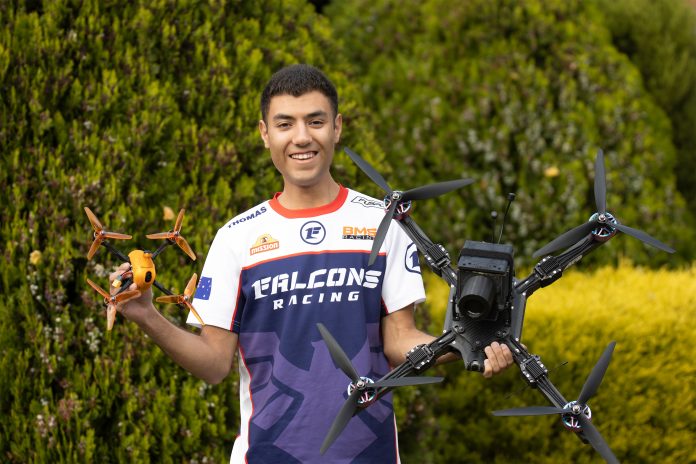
{"x":411,"y":259}
{"x":359,"y":233}
{"x":264,"y":243}
{"x":247,"y":217}
{"x":204,"y":288}
{"x":313,"y":232}
{"x":368,"y":202}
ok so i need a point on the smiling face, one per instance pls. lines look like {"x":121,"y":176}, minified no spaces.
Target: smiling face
{"x":301,"y":133}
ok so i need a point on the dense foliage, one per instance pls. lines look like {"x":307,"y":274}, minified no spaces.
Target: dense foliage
{"x":128,"y":109}
{"x":137,"y":109}
{"x":519,"y":95}
{"x":644,"y":407}
{"x":659,"y":37}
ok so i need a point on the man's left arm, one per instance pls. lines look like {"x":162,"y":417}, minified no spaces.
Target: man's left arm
{"x":400,"y":334}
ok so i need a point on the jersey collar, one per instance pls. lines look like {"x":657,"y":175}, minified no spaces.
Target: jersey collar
{"x":310,"y":212}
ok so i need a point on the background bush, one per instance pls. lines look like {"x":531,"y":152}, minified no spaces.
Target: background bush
{"x":520,"y":96}
{"x":134,"y":109}
{"x":659,"y":37}
{"x":644,"y":408}
{"x":127,"y":109}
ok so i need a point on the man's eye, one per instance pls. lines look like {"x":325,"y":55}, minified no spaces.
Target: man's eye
{"x":283,"y":125}
{"x":317,"y":123}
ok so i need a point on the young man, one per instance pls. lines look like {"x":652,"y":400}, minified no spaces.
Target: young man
{"x":275,"y":271}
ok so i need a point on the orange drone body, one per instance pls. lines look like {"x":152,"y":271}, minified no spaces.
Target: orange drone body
{"x":143,"y":268}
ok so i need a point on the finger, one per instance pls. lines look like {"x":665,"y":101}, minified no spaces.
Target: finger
{"x":492,"y":359}
{"x":500,"y":363}
{"x":487,"y":369}
{"x":118,"y":271}
{"x":507,"y":355}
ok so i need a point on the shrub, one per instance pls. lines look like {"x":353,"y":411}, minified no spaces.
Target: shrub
{"x":518,"y":95}
{"x":644,"y":408}
{"x":127,"y":109}
{"x":659,"y":37}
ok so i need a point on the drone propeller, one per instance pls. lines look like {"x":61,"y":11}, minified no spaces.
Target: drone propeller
{"x":175,"y":236}
{"x":601,"y":219}
{"x":100,"y":234}
{"x":395,"y":198}
{"x":577,"y":411}
{"x":112,"y":300}
{"x":359,"y":386}
{"x":184,"y":298}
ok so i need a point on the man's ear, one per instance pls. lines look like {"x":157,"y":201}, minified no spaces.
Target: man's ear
{"x":263,"y":130}
{"x":338,"y":127}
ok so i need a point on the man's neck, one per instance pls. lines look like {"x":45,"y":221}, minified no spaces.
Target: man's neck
{"x":295,"y":197}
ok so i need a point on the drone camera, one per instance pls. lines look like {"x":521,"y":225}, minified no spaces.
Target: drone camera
{"x":484,"y":282}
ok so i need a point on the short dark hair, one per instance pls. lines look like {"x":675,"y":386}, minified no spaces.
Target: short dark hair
{"x":297,"y":80}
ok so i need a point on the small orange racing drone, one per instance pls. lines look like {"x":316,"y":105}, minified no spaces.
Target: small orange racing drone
{"x":142,"y":268}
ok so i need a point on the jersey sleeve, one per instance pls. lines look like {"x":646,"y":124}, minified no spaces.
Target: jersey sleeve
{"x":217,"y":295}
{"x":403,"y":283}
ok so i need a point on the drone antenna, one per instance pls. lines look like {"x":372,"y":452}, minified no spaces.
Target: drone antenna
{"x":510,"y":197}
{"x":494,"y":216}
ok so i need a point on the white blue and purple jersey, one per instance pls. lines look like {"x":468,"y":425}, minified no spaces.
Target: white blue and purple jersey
{"x":271,"y":275}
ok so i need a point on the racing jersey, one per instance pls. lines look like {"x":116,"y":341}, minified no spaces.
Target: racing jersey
{"x":270,"y":276}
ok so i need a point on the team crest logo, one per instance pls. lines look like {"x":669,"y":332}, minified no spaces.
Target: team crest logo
{"x":411,"y":259}
{"x":264,"y":243}
{"x":313,"y":232}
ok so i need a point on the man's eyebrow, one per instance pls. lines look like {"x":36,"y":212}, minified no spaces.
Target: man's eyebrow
{"x":287,"y":117}
{"x":316,"y":114}
{"x":281,"y":116}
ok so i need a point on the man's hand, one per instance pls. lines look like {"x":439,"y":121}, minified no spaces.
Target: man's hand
{"x":498,"y":358}
{"x":136,"y":308}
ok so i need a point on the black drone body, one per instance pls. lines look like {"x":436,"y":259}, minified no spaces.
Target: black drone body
{"x":487,"y":304}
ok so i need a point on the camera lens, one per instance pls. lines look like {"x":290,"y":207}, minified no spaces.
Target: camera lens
{"x":477,"y":296}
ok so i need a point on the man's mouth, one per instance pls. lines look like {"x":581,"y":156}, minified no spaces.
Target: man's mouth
{"x":303,"y":156}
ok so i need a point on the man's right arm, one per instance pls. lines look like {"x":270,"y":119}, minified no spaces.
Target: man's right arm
{"x":208,"y":355}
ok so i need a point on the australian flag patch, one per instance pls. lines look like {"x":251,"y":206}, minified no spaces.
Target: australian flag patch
{"x":203,"y":289}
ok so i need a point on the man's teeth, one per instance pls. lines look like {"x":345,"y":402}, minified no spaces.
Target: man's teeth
{"x":302,"y":156}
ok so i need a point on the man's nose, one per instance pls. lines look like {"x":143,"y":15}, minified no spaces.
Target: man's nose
{"x":302,"y":136}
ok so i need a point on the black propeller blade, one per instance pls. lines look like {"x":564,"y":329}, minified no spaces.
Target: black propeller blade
{"x":596,"y":440}
{"x":398,"y":197}
{"x":351,"y":404}
{"x":602,"y":218}
{"x":596,"y":375}
{"x":577,"y":408}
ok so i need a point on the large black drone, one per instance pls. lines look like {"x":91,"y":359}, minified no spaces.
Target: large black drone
{"x":486,"y":304}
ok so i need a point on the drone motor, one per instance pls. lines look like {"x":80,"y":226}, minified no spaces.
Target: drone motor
{"x":363,"y":384}
{"x":604,"y":230}
{"x":570,"y":419}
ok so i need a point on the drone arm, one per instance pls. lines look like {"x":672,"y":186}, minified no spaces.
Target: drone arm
{"x":115,"y":252}
{"x":418,"y":360}
{"x":161,"y":248}
{"x":162,"y":288}
{"x":435,"y":255}
{"x":551,"y":268}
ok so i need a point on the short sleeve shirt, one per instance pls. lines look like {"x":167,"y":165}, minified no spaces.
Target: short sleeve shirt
{"x":270,"y":276}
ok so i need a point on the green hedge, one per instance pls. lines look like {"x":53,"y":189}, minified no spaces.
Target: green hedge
{"x":644,"y":407}
{"x":519,"y":95}
{"x":659,"y":37}
{"x":134,"y":108}
{"x":127,"y":109}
